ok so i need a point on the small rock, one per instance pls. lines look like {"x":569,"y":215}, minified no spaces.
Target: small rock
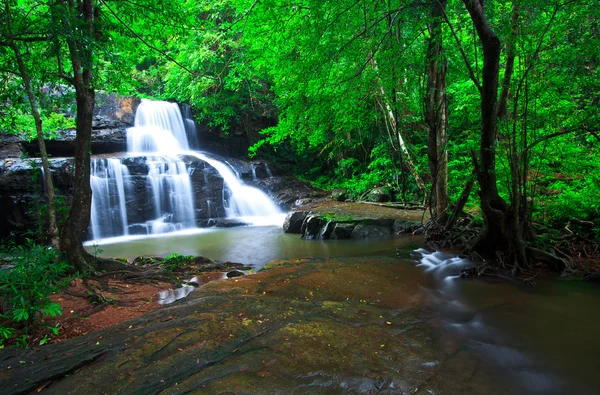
{"x":379,"y":195}
{"x":234,"y":273}
{"x":338,"y":194}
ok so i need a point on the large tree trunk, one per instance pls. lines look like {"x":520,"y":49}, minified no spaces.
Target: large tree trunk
{"x":76,"y":229}
{"x":84,"y":30}
{"x":437,"y":113}
{"x":502,"y":231}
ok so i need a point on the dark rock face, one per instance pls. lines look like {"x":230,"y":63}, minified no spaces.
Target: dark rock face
{"x":21,"y":191}
{"x":21,"y":188}
{"x":342,"y":231}
{"x":112,"y":116}
{"x":293,"y":221}
{"x":368,"y":231}
{"x":311,"y":227}
{"x":10,"y":146}
{"x":338,"y":194}
{"x":326,"y":230}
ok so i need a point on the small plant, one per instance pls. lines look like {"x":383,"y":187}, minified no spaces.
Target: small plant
{"x":34,"y":273}
{"x":176,"y":261}
{"x":97,"y":249}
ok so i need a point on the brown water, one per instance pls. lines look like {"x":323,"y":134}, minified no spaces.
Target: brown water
{"x":498,"y":337}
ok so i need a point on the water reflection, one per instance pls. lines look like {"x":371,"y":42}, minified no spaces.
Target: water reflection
{"x":250,"y":245}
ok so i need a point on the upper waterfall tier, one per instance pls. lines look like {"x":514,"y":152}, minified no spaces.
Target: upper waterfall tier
{"x":159,"y":127}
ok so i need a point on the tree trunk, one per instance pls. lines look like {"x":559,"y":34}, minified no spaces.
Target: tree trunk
{"x":502,"y":231}
{"x":85,"y":29}
{"x":76,"y":228}
{"x":52,"y":226}
{"x":436,"y":114}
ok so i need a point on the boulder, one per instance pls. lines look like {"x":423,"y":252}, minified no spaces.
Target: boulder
{"x":368,"y":231}
{"x":400,"y":227}
{"x":235,"y":273}
{"x":327,"y":230}
{"x":379,"y":195}
{"x":311,"y":227}
{"x":342,"y":231}
{"x":338,"y":194}
{"x":293,"y":221}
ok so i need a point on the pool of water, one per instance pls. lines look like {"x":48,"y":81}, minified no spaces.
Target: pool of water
{"x":250,"y":245}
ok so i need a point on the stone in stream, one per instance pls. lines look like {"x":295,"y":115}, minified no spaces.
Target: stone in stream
{"x":342,"y":231}
{"x":368,"y":231}
{"x":311,"y":227}
{"x":234,"y":273}
{"x":293,"y":221}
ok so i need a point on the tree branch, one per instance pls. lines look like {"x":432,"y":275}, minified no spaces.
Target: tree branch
{"x":462,"y":51}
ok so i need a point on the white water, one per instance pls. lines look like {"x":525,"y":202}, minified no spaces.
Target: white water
{"x":109,"y":215}
{"x":161,"y":136}
{"x":244,"y":202}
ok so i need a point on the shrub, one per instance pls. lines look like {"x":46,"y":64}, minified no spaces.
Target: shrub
{"x":32,"y":274}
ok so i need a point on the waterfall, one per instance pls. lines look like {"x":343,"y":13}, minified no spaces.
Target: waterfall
{"x":156,"y":196}
{"x":109,"y":216}
{"x":243,"y":200}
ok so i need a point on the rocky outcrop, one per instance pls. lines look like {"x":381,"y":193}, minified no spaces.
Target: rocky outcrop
{"x":21,"y":190}
{"x":319,"y":224}
{"x":293,"y":221}
{"x":379,"y":195}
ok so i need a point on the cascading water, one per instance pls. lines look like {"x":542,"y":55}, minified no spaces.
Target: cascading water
{"x":243,"y":201}
{"x":109,"y":216}
{"x":157,"y":195}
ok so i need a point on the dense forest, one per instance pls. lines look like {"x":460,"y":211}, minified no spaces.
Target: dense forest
{"x":485,"y":113}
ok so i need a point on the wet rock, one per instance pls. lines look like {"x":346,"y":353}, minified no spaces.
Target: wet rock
{"x":400,"y":227}
{"x":234,"y":273}
{"x":311,"y":227}
{"x":379,"y":195}
{"x":368,"y":231}
{"x":338,"y":194}
{"x":326,"y":231}
{"x":293,"y":221}
{"x":10,"y":146}
{"x":264,"y":329}
{"x":342,"y":231}
{"x":302,"y":202}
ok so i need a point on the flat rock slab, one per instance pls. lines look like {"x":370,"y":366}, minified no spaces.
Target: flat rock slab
{"x":303,"y":326}
{"x":361,"y":211}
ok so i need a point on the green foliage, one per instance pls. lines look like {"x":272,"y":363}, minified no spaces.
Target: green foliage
{"x":33,"y":273}
{"x":176,"y":261}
